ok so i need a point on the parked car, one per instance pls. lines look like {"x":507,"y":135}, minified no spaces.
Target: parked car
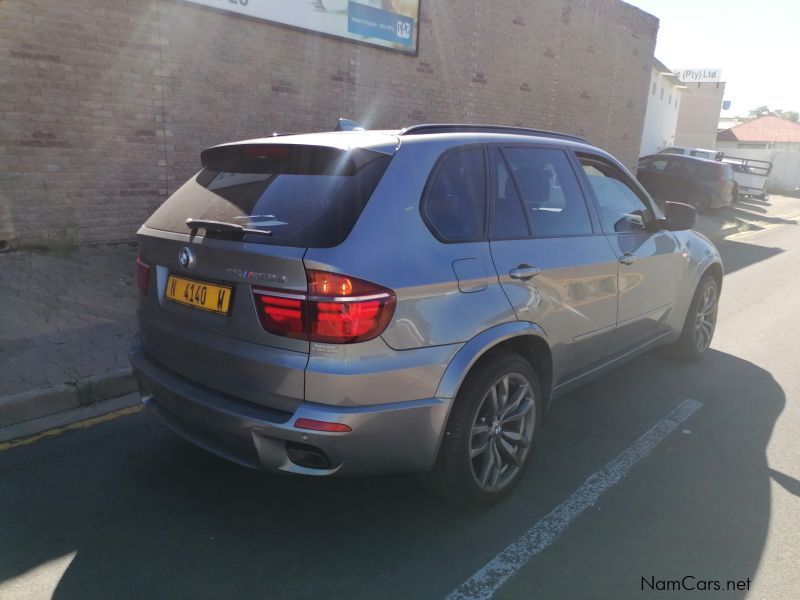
{"x":364,"y":301}
{"x":702,"y":183}
{"x":696,"y":152}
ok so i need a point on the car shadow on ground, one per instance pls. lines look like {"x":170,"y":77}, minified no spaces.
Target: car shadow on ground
{"x":151,"y":516}
{"x":738,"y":254}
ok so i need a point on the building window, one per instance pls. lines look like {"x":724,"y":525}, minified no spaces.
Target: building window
{"x":662,"y":93}
{"x":670,"y":100}
{"x":676,"y":104}
{"x":654,"y":89}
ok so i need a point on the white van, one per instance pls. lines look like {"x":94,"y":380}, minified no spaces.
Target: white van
{"x":696,"y":152}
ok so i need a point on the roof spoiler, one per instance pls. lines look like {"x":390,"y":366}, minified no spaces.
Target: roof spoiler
{"x":347,"y":125}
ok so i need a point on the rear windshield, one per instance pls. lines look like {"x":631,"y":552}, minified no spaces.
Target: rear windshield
{"x":305,"y":196}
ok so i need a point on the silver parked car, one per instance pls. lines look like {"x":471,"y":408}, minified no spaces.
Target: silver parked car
{"x":374,"y":301}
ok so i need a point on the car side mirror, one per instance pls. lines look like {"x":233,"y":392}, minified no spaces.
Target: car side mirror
{"x":680,"y":216}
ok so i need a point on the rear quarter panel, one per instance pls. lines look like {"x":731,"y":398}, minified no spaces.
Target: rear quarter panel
{"x":390,"y":245}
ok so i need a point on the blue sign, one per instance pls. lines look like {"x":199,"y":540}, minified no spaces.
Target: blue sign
{"x":382,"y":24}
{"x":726,"y":105}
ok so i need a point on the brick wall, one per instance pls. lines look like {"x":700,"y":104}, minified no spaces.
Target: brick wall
{"x":105,"y":106}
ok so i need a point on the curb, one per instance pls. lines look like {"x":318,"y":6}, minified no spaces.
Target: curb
{"x":32,"y":431}
{"x":44,"y":402}
{"x":723,"y":233}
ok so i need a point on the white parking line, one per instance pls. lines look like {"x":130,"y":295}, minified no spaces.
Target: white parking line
{"x":485,"y":582}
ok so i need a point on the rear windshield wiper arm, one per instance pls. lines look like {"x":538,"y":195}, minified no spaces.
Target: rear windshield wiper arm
{"x":211,"y":225}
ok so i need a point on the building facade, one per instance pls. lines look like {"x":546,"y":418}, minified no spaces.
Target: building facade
{"x":105,"y":107}
{"x":772,"y":139}
{"x":661,"y":116}
{"x":698,"y":115}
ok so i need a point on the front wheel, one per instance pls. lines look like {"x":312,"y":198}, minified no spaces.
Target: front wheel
{"x":701,"y":321}
{"x":489,"y":437}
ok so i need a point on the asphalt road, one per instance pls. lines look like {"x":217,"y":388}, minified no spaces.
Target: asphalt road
{"x":127,"y":510}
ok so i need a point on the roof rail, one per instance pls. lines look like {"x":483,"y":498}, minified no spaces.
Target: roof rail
{"x":469,"y":127}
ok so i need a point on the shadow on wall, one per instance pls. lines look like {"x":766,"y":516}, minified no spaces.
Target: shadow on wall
{"x":149,"y":515}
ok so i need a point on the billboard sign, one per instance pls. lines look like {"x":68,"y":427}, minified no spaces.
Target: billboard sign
{"x":392,"y":24}
{"x":699,"y":75}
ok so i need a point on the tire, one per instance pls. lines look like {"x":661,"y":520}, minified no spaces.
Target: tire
{"x":479,"y":481}
{"x":700,"y":201}
{"x":696,"y":336}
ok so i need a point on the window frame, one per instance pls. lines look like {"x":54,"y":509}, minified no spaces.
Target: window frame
{"x":426,"y":191}
{"x":496,"y":156}
{"x":594,"y":219}
{"x":627,"y":179}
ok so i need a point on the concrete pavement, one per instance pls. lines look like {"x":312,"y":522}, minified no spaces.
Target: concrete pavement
{"x":65,"y":316}
{"x":125,"y":509}
{"x":66,"y":321}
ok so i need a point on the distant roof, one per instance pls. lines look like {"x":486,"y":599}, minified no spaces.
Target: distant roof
{"x":763,"y":129}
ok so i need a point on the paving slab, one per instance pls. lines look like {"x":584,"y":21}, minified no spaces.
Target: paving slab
{"x":66,"y":316}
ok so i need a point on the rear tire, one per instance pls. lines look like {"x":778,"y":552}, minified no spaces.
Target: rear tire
{"x":489,"y":438}
{"x":701,"y":202}
{"x":701,"y":320}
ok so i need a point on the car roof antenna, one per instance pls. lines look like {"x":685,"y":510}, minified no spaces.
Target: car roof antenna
{"x":347,"y":125}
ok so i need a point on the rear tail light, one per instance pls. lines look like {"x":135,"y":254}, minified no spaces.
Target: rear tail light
{"x":337,"y":309}
{"x":142,"y":275}
{"x":281,"y":314}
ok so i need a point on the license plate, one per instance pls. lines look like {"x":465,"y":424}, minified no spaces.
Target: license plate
{"x":199,"y":294}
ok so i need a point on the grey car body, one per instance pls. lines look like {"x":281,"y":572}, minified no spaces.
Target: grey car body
{"x":571,"y":303}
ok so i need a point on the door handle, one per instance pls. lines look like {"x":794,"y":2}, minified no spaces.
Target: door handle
{"x":627,"y":259}
{"x":524,"y":272}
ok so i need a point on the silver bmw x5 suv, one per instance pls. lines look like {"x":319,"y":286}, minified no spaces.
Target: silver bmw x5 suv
{"x":413,"y":300}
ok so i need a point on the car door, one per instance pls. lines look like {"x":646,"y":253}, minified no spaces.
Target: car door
{"x":649,"y":258}
{"x":553,"y":262}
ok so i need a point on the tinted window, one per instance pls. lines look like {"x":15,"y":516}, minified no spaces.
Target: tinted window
{"x":680,"y":167}
{"x":621,"y":209}
{"x":715,"y":171}
{"x":508,"y":220}
{"x":455,"y":202}
{"x":654,"y":164}
{"x":550,"y":191}
{"x":306,"y":196}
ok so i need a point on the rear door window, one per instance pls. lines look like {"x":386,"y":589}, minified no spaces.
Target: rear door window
{"x":304,"y":196}
{"x":551,"y":195}
{"x":455,"y":198}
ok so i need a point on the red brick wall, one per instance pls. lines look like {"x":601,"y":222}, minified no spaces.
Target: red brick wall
{"x":105,"y":106}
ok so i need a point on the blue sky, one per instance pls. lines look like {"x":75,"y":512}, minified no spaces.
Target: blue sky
{"x":757,"y":45}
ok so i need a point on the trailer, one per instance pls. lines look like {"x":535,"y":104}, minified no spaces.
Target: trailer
{"x":750,"y":175}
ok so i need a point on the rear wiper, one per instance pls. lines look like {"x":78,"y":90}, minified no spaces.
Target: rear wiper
{"x":211,"y":225}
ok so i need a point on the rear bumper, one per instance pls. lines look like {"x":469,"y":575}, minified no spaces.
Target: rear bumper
{"x":394,"y":437}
